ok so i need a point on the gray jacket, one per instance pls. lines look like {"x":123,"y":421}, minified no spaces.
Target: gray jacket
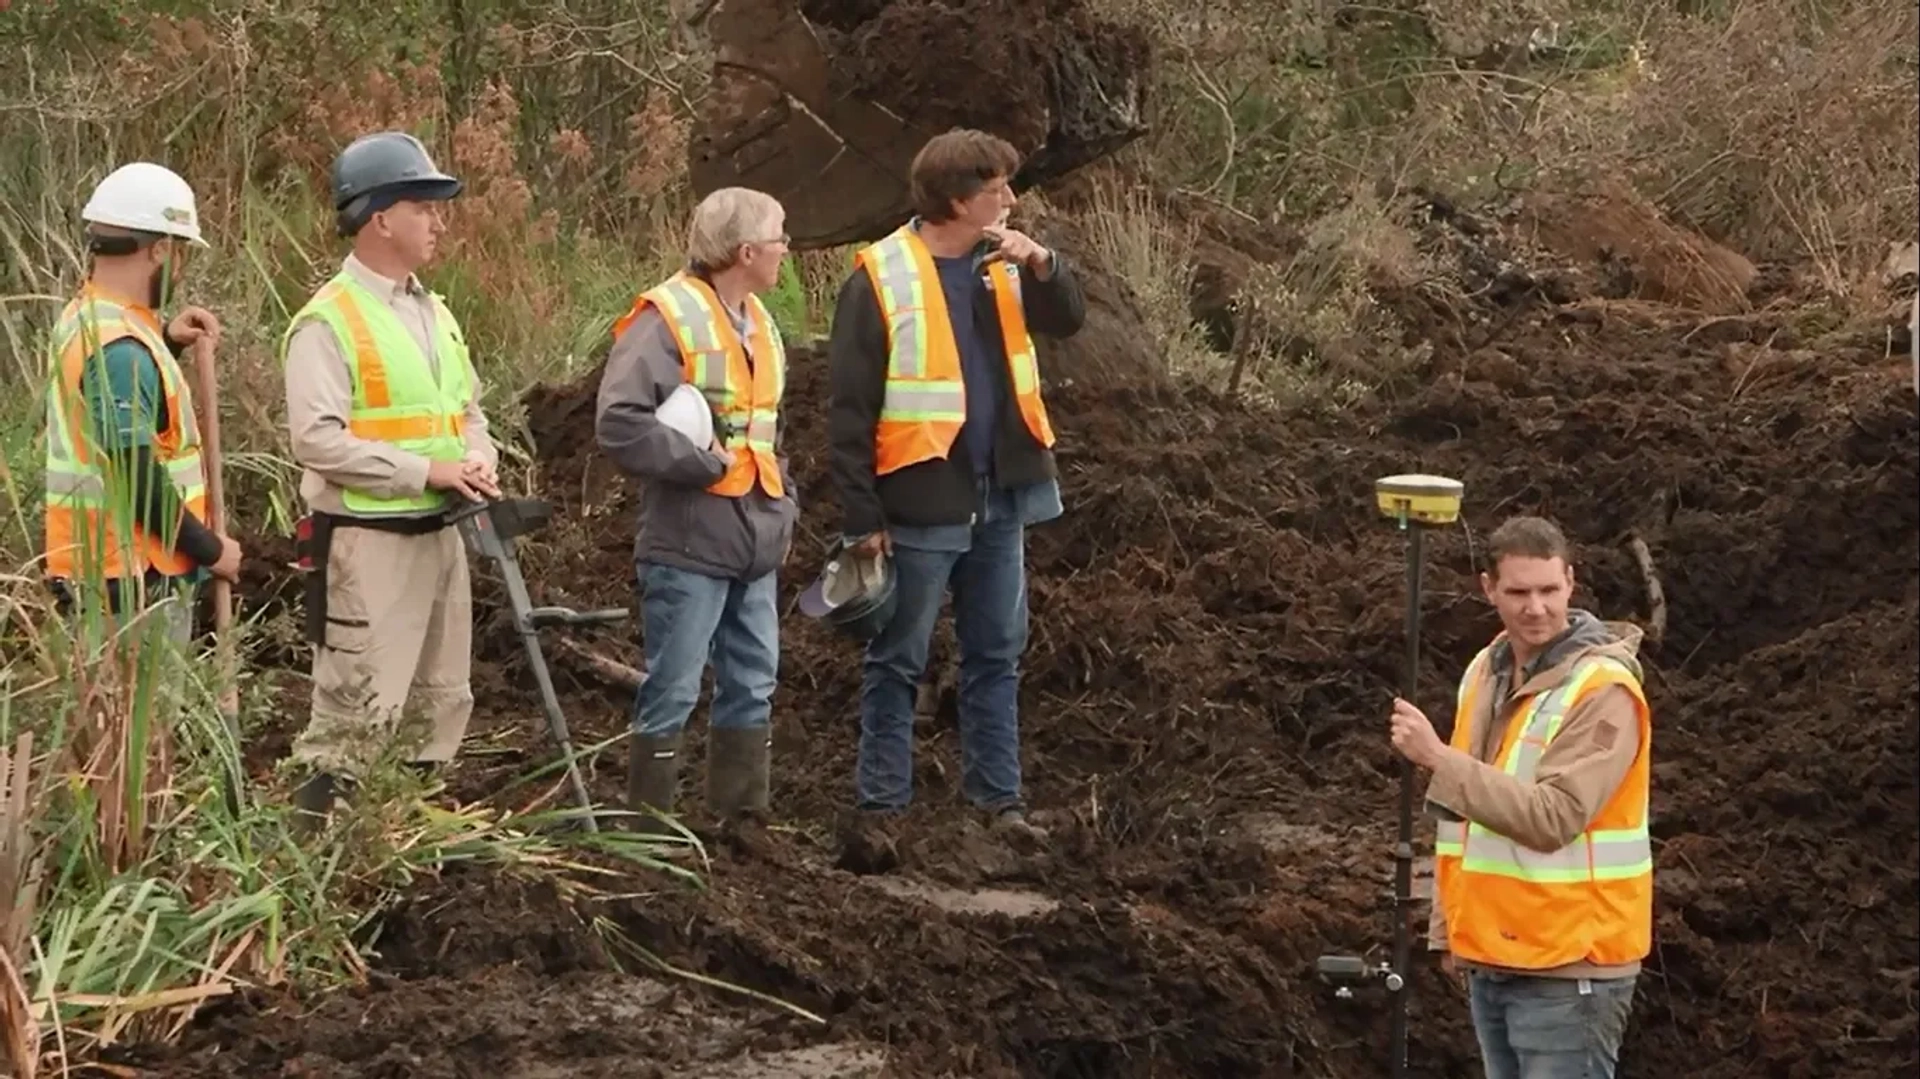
{"x":681,"y":524}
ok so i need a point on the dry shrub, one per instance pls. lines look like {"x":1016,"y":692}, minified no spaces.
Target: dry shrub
{"x":659,"y":158}
{"x":1153,"y":254}
{"x":1316,"y":309}
{"x":1782,"y":131}
{"x":1787,"y":129}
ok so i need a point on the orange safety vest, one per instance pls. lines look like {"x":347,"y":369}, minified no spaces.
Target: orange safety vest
{"x":1592,"y":900}
{"x":83,"y":517}
{"x":926,"y":396}
{"x":745,"y":398}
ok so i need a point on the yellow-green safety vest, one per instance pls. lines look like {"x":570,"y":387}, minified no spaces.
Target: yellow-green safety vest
{"x":396,"y":398}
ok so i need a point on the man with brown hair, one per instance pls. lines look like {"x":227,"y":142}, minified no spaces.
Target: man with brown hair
{"x":1543,"y":869}
{"x":942,"y":455}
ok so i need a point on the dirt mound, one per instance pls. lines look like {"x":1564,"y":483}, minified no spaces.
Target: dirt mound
{"x":1216,"y":632}
{"x":1657,"y":260}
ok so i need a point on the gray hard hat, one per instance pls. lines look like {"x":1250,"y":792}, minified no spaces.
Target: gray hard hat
{"x":857,"y":594}
{"x":376,"y":170}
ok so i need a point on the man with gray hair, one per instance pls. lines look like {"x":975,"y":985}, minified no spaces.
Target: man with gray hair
{"x":690,"y":405}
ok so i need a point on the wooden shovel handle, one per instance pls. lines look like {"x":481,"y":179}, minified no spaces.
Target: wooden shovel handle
{"x":208,"y":411}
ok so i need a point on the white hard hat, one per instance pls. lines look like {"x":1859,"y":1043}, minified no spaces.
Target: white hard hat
{"x":686,"y":411}
{"x":148,"y":197}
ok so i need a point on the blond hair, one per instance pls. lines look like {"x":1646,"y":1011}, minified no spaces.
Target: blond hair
{"x":725,"y":221}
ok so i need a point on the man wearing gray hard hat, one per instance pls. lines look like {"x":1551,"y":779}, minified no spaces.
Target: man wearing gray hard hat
{"x":383,"y":411}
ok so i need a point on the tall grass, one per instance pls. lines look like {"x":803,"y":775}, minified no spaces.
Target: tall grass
{"x":138,"y":889}
{"x":140,"y":875}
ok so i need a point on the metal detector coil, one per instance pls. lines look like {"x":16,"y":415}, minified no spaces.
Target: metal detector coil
{"x":1422,"y":499}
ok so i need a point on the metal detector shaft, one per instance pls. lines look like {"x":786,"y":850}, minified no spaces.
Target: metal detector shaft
{"x":537,"y":659}
{"x":1403,"y":845}
{"x":490,"y":529}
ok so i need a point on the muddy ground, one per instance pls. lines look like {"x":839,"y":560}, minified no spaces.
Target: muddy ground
{"x":1216,"y":633}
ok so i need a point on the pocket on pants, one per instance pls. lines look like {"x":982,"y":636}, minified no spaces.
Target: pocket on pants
{"x":348,"y":636}
{"x":347,"y":628}
{"x":1551,"y":1017}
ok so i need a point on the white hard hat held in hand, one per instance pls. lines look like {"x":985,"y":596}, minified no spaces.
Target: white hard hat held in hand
{"x":148,"y":198}
{"x":685,"y":410}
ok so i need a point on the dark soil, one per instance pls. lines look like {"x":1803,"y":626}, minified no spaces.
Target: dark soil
{"x":1216,"y":636}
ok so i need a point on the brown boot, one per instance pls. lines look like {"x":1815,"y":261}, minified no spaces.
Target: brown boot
{"x":738,"y":760}
{"x":653,"y":779}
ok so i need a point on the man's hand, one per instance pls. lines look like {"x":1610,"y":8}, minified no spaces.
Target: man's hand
{"x":725,"y":454}
{"x":456,"y":476}
{"x":1413,"y":736}
{"x":481,"y":474}
{"x":1017,"y":247}
{"x":228,"y":567}
{"x":193,"y":323}
{"x":872,"y":544}
{"x":1450,"y":967}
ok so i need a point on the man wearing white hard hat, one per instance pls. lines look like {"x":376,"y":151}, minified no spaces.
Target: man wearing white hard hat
{"x":125,"y":502}
{"x":690,"y":404}
{"x":383,"y":411}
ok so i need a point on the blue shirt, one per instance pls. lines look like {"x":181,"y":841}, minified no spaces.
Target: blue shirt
{"x":962,"y":284}
{"x":125,"y":402}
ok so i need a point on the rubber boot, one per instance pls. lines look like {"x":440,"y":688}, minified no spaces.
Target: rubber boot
{"x":738,"y":759}
{"x":312,"y":802}
{"x":653,"y":779}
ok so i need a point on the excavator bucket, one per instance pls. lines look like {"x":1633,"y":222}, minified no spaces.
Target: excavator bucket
{"x":823,"y":103}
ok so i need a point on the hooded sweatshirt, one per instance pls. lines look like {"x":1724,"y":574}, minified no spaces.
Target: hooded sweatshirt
{"x":1577,"y":774}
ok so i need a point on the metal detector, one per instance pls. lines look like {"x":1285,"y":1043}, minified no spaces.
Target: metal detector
{"x":490,"y":529}
{"x":1416,"y":503}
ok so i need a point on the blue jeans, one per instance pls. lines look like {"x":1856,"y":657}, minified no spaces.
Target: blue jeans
{"x":687,"y":619}
{"x":986,"y":566}
{"x":1549,"y":1028}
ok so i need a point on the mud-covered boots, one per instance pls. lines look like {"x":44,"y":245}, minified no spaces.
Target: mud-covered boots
{"x":313,"y":801}
{"x":653,"y":778}
{"x":738,"y":760}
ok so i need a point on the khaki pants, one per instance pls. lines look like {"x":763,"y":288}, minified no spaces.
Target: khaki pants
{"x":398,"y":655}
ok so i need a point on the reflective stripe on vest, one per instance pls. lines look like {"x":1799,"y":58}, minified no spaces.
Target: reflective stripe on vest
{"x":397,"y":398}
{"x":84,"y":531}
{"x":925,"y":401}
{"x":744,"y":395}
{"x":1611,"y":854}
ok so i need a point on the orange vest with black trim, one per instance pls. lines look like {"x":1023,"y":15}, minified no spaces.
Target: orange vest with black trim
{"x":925,"y":402}
{"x":745,"y":397}
{"x":92,"y":527}
{"x":1592,"y":900}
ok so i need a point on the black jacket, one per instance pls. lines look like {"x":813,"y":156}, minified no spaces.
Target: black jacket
{"x":939,"y":491}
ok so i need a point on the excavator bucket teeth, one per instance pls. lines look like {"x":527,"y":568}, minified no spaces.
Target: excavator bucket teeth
{"x":823,"y":103}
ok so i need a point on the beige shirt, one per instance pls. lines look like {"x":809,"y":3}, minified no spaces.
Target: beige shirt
{"x":320,"y":395}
